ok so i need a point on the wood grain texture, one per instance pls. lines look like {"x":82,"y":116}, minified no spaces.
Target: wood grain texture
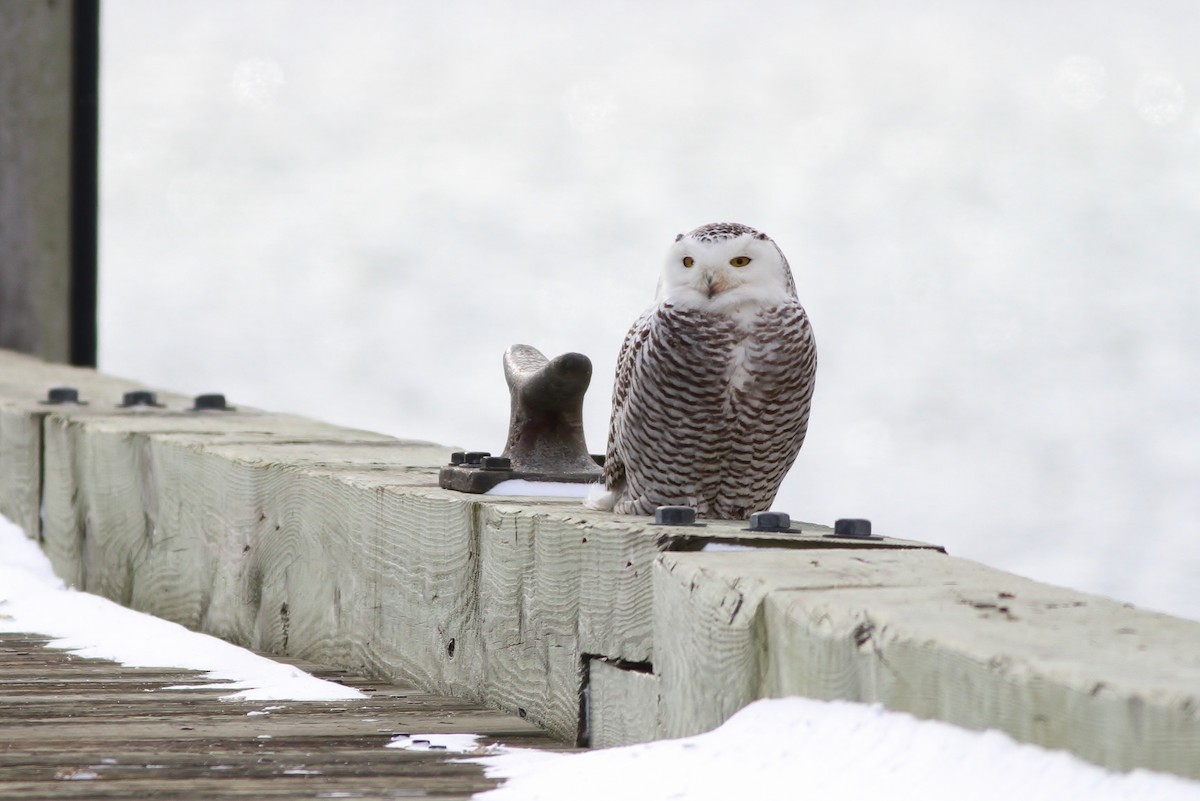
{"x":623,"y":705}
{"x":305,"y":542}
{"x":707,"y":641}
{"x":24,"y":382}
{"x":130,"y":736}
{"x":100,"y":499}
{"x":938,"y":637}
{"x":20,"y":469}
{"x":304,"y":539}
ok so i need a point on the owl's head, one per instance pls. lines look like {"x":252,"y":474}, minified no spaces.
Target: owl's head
{"x":724,"y":267}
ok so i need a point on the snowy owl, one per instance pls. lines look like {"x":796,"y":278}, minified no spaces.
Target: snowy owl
{"x":713,"y":384}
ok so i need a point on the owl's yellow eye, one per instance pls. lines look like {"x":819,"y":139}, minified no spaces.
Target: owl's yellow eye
{"x":740,"y":261}
{"x":688,"y":261}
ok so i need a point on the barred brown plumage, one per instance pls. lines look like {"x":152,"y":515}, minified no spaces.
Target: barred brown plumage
{"x":713,"y":382}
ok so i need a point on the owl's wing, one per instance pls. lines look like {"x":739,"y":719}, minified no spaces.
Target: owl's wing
{"x":635,"y":340}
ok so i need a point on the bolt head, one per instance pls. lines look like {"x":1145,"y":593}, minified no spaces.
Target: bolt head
{"x":675,"y":516}
{"x":852,"y":527}
{"x":475,"y":458}
{"x":496,"y":463}
{"x":62,"y":395}
{"x":213,"y":401}
{"x":139,"y":397}
{"x":458,"y":457}
{"x":770,"y":521}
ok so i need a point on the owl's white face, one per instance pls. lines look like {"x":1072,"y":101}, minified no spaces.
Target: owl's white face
{"x":725,"y":274}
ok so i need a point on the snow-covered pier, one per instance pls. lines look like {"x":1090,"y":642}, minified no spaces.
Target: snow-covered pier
{"x":295,"y":537}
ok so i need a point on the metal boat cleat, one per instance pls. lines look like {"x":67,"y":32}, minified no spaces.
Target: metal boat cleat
{"x":545,"y":427}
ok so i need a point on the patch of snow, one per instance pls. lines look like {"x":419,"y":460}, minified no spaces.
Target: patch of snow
{"x":790,"y":748}
{"x":540,"y":489}
{"x":34,"y":600}
{"x":727,"y":546}
{"x":451,"y":743}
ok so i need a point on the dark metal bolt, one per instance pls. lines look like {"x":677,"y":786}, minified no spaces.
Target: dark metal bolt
{"x":852,"y":527}
{"x":59,"y":395}
{"x":211,"y":402}
{"x":139,"y":397}
{"x":496,"y":463}
{"x":475,"y":458}
{"x":458,"y":457}
{"x":674,"y":516}
{"x":770,"y":521}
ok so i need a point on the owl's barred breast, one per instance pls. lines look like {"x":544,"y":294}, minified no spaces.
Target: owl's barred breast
{"x":710,"y":411}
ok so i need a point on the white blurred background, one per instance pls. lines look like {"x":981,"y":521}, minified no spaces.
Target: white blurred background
{"x":992,"y":209}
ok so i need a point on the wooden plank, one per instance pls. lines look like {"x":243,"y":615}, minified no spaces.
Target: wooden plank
{"x":938,"y":637}
{"x":24,"y":382}
{"x":303,"y":539}
{"x":92,"y":741}
{"x":299,"y":538}
{"x":622,"y":705}
{"x":97,"y":502}
{"x":20,"y":471}
{"x":352,"y":571}
{"x":227,"y":535}
{"x":707,"y":650}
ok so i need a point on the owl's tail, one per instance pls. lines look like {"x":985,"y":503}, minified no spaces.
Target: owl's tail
{"x":599,"y":498}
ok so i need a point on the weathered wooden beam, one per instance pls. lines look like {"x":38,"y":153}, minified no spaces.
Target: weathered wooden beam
{"x":622,"y":704}
{"x":49,"y":60}
{"x":931,"y":635}
{"x":300,"y":538}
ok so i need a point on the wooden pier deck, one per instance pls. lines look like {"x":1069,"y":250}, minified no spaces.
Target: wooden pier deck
{"x":76,"y":728}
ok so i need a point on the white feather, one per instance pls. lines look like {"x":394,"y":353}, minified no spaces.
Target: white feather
{"x":600,"y":499}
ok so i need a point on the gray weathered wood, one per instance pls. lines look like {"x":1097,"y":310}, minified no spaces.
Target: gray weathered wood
{"x":24,"y":382}
{"x":295,"y":537}
{"x":938,"y":637}
{"x":300,"y":538}
{"x":623,"y":705}
{"x":86,"y":728}
{"x":708,"y":652}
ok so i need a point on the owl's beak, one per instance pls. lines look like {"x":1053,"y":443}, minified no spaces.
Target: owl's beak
{"x":716,"y":285}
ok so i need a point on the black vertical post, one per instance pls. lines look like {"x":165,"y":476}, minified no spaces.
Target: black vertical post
{"x":84,"y":178}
